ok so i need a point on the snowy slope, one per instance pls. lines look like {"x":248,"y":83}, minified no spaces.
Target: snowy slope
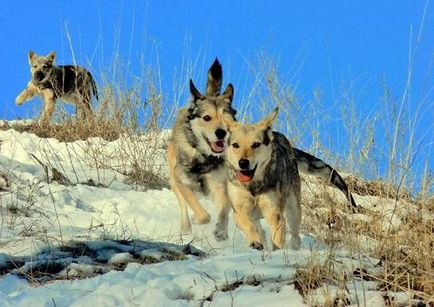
{"x":129,"y":248}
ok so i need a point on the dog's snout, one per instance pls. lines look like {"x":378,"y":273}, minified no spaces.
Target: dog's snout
{"x":243,"y":164}
{"x":220,"y":133}
{"x":39,"y":75}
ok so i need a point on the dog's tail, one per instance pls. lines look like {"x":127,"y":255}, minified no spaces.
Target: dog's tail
{"x":311,"y":165}
{"x":93,"y":84}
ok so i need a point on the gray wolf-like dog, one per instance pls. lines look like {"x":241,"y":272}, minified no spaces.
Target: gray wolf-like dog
{"x":72,"y":84}
{"x":195,"y":152}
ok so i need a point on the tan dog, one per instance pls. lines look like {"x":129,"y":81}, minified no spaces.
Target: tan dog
{"x":72,"y":84}
{"x":263,"y":181}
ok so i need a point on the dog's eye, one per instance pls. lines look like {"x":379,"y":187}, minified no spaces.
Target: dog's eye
{"x":207,"y":118}
{"x":35,"y":66}
{"x":235,"y":145}
{"x":44,"y":66}
{"x":256,"y":145}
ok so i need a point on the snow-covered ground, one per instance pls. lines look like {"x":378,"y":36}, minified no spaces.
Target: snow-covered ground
{"x":74,"y":232}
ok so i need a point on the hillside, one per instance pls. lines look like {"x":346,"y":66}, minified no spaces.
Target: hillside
{"x":93,"y":222}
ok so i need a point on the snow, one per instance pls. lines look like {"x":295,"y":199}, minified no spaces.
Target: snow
{"x":165,"y":283}
{"x":98,"y":233}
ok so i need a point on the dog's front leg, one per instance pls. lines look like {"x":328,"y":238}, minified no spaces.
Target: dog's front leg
{"x":216,"y":183}
{"x":48,"y":109}
{"x":243,"y":219}
{"x":243,"y":204}
{"x":272,"y":212}
{"x":28,"y":93}
{"x":201,"y":216}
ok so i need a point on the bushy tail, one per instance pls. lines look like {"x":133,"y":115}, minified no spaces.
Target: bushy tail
{"x":311,"y":165}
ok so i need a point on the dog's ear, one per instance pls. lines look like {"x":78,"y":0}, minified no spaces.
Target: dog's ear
{"x":31,"y":56}
{"x":229,"y":120}
{"x":266,"y":126}
{"x":229,"y":92}
{"x":194,"y":91}
{"x":214,"y":83}
{"x":52,"y":56}
{"x":268,"y":121}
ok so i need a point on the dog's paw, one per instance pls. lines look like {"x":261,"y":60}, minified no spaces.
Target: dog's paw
{"x":220,"y":234}
{"x":19,"y":100}
{"x":200,"y":220}
{"x":257,"y":245}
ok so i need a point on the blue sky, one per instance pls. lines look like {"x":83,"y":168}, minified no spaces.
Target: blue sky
{"x":316,"y":45}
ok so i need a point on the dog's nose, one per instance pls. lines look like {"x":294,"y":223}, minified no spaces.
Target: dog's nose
{"x":220,"y":134}
{"x":243,"y":164}
{"x":39,"y":75}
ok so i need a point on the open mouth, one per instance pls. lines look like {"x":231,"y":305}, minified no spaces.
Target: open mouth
{"x":246,"y":175}
{"x":216,"y":147}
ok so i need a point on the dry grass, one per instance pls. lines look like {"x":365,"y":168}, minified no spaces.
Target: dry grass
{"x":316,"y":278}
{"x":72,"y":130}
{"x":396,"y":231}
{"x":378,"y":188}
{"x":407,"y":256}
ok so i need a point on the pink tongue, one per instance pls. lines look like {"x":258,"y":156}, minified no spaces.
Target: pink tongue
{"x":243,"y":178}
{"x":218,"y":146}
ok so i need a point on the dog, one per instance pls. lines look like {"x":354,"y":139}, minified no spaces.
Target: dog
{"x":195,"y":152}
{"x":69,"y":83}
{"x":263,"y":182}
